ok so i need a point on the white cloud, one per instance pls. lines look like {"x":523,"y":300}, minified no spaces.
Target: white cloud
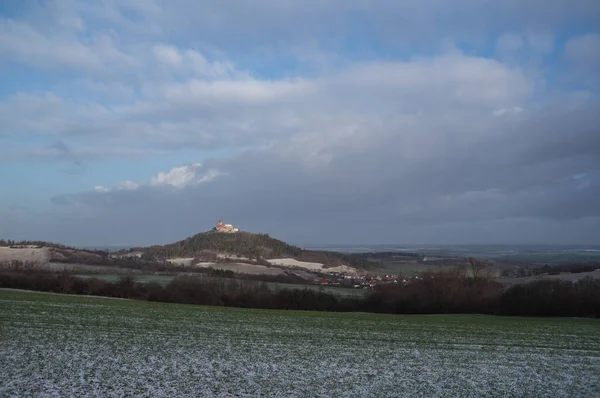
{"x":178,"y":177}
{"x":127,"y":185}
{"x":505,"y":111}
{"x":242,"y":91}
{"x":339,"y":108}
{"x":167,"y":54}
{"x":193,"y":62}
{"x":23,"y":43}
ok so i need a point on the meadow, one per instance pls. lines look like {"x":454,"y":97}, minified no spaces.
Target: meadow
{"x":60,"y":345}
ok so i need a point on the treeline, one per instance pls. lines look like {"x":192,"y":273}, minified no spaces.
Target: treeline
{"x":436,"y":293}
{"x":552,"y":298}
{"x":136,"y":264}
{"x":571,"y":268}
{"x":186,"y":290}
{"x":104,"y":258}
{"x":450,"y":292}
{"x":38,"y":243}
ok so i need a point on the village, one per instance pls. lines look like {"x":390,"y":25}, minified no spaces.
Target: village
{"x":366,"y":281}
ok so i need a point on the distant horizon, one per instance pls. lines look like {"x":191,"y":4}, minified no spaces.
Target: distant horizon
{"x":334,"y":245}
{"x":391,"y":245}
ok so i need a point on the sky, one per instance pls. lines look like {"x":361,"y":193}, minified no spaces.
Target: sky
{"x":136,"y":122}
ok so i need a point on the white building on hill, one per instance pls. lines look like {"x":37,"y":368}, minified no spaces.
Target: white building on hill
{"x":225,"y":227}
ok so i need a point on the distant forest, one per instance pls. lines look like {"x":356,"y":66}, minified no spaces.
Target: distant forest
{"x":39,"y":243}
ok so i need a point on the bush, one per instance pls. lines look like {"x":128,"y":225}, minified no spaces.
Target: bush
{"x":553,"y":298}
{"x":437,"y":293}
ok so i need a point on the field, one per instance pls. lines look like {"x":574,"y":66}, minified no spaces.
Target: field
{"x":165,"y":279}
{"x":58,"y":345}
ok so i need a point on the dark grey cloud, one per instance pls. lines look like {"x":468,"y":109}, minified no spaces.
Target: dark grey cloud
{"x":382,"y":196}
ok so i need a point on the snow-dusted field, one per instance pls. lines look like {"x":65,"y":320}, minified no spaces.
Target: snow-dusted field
{"x":55,"y":345}
{"x":41,"y":255}
{"x":291,"y":262}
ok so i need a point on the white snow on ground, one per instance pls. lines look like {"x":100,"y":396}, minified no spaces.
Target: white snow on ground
{"x":342,"y":268}
{"x":291,"y":262}
{"x":232,"y":257}
{"x":186,"y":262}
{"x":40,"y":255}
{"x":244,"y":268}
{"x":132,"y":254}
{"x":55,"y":345}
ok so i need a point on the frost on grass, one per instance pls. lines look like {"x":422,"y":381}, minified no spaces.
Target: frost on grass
{"x":54,"y":345}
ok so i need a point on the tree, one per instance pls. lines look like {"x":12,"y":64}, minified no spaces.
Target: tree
{"x":475,"y":267}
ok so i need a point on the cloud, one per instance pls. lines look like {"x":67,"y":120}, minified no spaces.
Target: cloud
{"x":178,"y":177}
{"x":100,"y":188}
{"x":319,"y":121}
{"x":23,"y":43}
{"x":127,"y":185}
{"x":584,"y":48}
{"x":167,"y":54}
{"x":518,"y":170}
{"x":244,"y":111}
{"x":505,"y":111}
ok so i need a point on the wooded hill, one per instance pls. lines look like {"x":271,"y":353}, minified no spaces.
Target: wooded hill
{"x":252,"y":246}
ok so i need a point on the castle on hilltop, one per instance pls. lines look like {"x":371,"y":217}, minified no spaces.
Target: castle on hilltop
{"x":225,"y":227}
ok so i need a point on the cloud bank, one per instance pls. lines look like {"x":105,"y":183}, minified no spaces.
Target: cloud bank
{"x":454,"y":126}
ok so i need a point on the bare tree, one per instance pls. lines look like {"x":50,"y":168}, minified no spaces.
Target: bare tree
{"x":475,"y":267}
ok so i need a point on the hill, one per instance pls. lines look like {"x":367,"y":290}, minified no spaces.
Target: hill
{"x":256,"y":247}
{"x":242,"y":244}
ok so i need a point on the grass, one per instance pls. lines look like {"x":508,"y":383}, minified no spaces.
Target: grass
{"x":53,"y":344}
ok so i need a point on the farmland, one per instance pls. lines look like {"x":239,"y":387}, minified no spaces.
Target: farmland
{"x":54,"y":344}
{"x":165,"y":279}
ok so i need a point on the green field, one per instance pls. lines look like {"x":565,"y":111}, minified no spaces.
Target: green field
{"x":58,"y":345}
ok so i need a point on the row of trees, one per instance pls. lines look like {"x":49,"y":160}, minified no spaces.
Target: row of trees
{"x":570,"y":268}
{"x":188,"y":290}
{"x":9,"y":242}
{"x":436,"y":293}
